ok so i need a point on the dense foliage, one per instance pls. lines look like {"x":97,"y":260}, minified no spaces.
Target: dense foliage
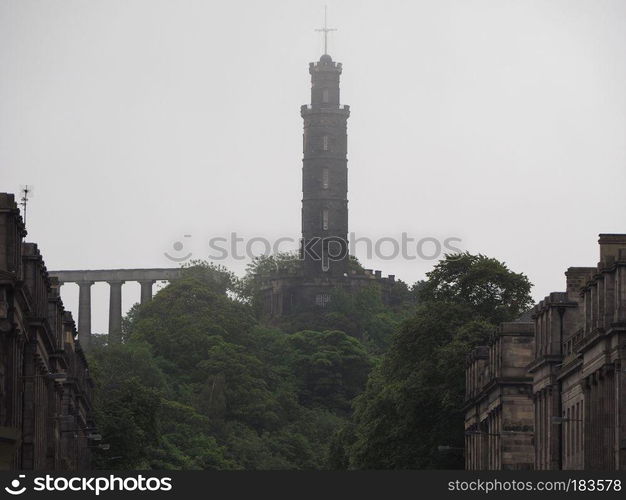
{"x":201,"y":381}
{"x":413,"y":401}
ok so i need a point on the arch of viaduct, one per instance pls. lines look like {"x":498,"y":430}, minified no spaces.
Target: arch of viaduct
{"x":115,"y":278}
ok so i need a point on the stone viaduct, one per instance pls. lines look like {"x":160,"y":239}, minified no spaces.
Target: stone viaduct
{"x":115,"y":278}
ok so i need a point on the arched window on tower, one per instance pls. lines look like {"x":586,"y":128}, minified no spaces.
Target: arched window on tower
{"x":325,"y":219}
{"x":325,"y":95}
{"x":325,"y":178}
{"x":325,"y":143}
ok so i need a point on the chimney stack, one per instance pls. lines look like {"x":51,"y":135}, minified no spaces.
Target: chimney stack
{"x":610,"y":246}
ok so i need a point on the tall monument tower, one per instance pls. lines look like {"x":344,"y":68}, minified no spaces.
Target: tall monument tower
{"x":325,"y":258}
{"x":325,"y":173}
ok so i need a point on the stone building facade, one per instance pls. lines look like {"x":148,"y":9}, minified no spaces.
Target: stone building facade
{"x":324,"y":263}
{"x":499,"y":415}
{"x":578,"y":368}
{"x":45,"y":388}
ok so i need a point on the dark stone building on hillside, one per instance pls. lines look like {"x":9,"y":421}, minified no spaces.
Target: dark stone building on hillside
{"x":45,"y":388}
{"x":324,"y":258}
{"x":577,"y":373}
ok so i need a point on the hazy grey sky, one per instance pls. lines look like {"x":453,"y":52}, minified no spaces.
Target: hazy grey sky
{"x":139,"y":121}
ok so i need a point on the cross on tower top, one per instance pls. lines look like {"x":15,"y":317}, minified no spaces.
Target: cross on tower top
{"x":325,"y":30}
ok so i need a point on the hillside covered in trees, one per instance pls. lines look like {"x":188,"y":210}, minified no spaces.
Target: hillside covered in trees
{"x":201,"y":381}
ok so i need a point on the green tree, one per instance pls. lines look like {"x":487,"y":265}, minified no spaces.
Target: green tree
{"x":262,"y":266}
{"x":414,"y":398}
{"x":488,"y":286}
{"x":127,"y":398}
{"x":364,"y":314}
{"x":199,"y":384}
{"x":330,"y":367}
{"x":180,"y":321}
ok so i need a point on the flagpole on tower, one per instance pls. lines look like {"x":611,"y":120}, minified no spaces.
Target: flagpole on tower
{"x":26,"y":193}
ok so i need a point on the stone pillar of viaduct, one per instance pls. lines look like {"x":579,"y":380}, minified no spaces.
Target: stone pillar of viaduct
{"x":84,"y":312}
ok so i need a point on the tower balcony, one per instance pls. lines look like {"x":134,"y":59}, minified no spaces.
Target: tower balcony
{"x":308,"y":109}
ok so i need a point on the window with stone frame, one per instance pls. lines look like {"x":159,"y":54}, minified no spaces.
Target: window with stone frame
{"x":322,"y":299}
{"x":325,"y":178}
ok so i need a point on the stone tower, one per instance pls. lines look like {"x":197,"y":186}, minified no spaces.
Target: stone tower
{"x":325,"y":175}
{"x":324,"y":266}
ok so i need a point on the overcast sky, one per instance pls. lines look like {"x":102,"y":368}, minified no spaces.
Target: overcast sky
{"x":502,"y":123}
